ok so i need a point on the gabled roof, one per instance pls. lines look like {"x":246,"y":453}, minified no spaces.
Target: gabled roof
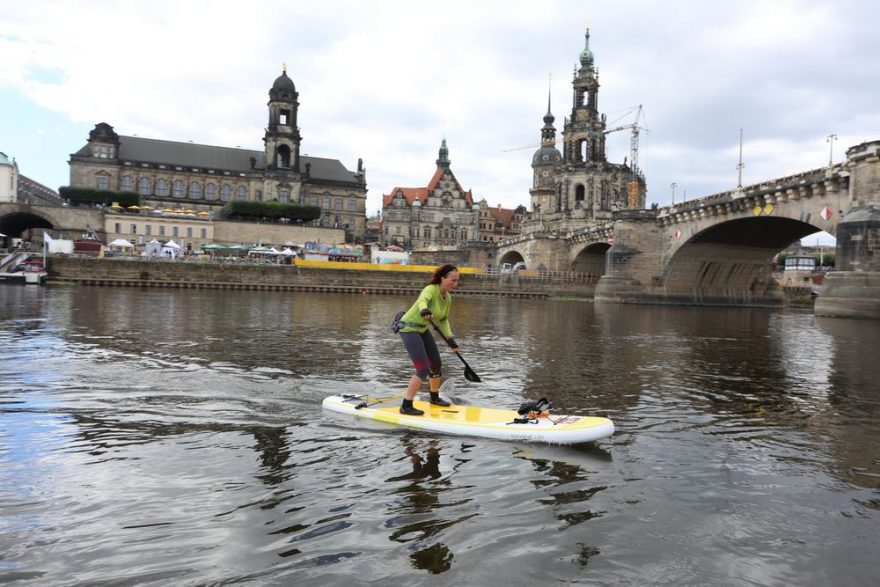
{"x":223,"y":158}
{"x":432,"y":185}
{"x":410,"y":194}
{"x":421,"y":194}
{"x":503,"y":216}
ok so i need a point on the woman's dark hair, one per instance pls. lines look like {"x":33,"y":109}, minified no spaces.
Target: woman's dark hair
{"x":441,"y":272}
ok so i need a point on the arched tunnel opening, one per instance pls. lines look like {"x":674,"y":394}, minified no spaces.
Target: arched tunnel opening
{"x":732,"y":261}
{"x":511,"y":257}
{"x":20,"y":225}
{"x":591,"y":260}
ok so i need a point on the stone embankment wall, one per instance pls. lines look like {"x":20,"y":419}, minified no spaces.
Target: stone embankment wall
{"x":181,"y":274}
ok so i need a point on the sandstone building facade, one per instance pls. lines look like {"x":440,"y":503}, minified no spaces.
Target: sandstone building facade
{"x":440,"y":215}
{"x":170,"y":174}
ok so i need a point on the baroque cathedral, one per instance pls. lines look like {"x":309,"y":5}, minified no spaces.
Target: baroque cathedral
{"x":204,"y":177}
{"x":578,"y":186}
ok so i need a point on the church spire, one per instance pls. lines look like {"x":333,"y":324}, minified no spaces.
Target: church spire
{"x":443,"y":161}
{"x":548,"y":132}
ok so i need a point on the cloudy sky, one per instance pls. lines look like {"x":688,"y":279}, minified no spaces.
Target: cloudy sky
{"x":386,"y":81}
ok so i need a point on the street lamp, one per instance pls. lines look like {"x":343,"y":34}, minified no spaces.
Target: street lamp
{"x":830,"y":140}
{"x":673,"y":186}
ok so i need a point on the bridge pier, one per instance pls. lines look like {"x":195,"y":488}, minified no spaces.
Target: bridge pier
{"x":632,"y":260}
{"x":854,"y":290}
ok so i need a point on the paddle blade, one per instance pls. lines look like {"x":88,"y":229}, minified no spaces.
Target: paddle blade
{"x":470,"y":375}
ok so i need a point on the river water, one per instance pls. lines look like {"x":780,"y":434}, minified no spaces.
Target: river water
{"x":175,"y":437}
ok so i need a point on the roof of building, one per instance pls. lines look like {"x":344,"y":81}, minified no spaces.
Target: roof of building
{"x":4,"y":160}
{"x":24,"y":182}
{"x":503,"y":216}
{"x":212,"y":157}
{"x":421,"y":194}
{"x":409,"y":194}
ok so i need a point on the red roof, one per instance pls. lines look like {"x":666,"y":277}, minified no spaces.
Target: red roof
{"x":503,"y":216}
{"x":410,"y":194}
{"x":421,"y":194}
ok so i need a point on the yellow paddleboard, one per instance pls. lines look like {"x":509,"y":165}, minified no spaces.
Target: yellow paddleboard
{"x":477,"y":421}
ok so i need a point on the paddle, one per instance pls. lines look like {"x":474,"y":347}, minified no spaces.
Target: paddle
{"x":469,"y":373}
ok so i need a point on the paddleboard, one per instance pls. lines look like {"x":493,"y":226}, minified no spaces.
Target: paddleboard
{"x":477,"y":421}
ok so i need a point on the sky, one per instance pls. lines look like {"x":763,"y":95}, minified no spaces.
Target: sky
{"x":386,"y":81}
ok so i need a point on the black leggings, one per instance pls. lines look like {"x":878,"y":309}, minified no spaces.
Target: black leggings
{"x":423,"y":351}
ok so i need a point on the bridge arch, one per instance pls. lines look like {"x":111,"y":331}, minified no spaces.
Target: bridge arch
{"x":591,"y":259}
{"x":732,"y":260}
{"x":19,"y":224}
{"x":511,"y":257}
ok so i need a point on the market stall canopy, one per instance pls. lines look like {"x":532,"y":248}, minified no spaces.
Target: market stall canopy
{"x":171,"y":245}
{"x":122,"y":243}
{"x":287,"y":252}
{"x":262,"y":251}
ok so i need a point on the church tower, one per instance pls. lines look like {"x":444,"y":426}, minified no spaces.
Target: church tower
{"x":282,"y":136}
{"x":585,"y":131}
{"x":544,"y":163}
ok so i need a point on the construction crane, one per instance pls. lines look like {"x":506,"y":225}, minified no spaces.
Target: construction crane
{"x":633,"y":143}
{"x":634,"y":138}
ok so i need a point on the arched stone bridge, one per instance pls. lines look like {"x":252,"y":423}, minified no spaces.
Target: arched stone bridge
{"x":718,"y":249}
{"x":16,"y":220}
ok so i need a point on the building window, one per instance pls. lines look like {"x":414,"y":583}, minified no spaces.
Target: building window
{"x":161,"y":230}
{"x":178,"y":188}
{"x":352,"y":205}
{"x":211,"y":192}
{"x":258,"y":195}
{"x":127,"y":184}
{"x":148,"y":229}
{"x":162,"y":188}
{"x":189,"y":232}
{"x":225,"y":192}
{"x":195,"y":191}
{"x":144,"y":186}
{"x":242,"y":193}
{"x":103,"y":182}
{"x":283,"y":195}
{"x":204,"y":233}
{"x":118,"y":228}
{"x":175,"y":231}
{"x":338,"y":204}
{"x":314,"y":200}
{"x":326,"y":203}
{"x":134,"y":229}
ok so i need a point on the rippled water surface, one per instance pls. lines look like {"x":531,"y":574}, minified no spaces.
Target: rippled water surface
{"x":161,"y":437}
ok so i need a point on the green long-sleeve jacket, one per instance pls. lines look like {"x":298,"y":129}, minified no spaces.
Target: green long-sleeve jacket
{"x":429,"y":298}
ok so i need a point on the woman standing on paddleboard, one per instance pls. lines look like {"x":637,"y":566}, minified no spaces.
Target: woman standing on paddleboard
{"x":433,"y":304}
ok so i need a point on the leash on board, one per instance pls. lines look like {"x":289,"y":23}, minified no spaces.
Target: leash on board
{"x":369,"y":401}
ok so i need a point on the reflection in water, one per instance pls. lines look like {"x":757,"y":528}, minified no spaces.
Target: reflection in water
{"x":425,"y":485}
{"x":176,"y":437}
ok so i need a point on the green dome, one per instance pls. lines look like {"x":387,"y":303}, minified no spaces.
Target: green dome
{"x":587,"y":55}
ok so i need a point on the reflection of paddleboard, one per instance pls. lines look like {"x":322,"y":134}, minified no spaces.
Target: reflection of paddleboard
{"x":588,"y":458}
{"x":478,"y":421}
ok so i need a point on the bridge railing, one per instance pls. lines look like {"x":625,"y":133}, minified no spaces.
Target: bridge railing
{"x":496,"y":274}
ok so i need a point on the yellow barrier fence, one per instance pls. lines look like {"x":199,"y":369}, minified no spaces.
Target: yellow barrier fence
{"x":378,"y":266}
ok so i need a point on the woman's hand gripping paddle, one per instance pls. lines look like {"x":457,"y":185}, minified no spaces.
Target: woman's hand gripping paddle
{"x":469,"y":373}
